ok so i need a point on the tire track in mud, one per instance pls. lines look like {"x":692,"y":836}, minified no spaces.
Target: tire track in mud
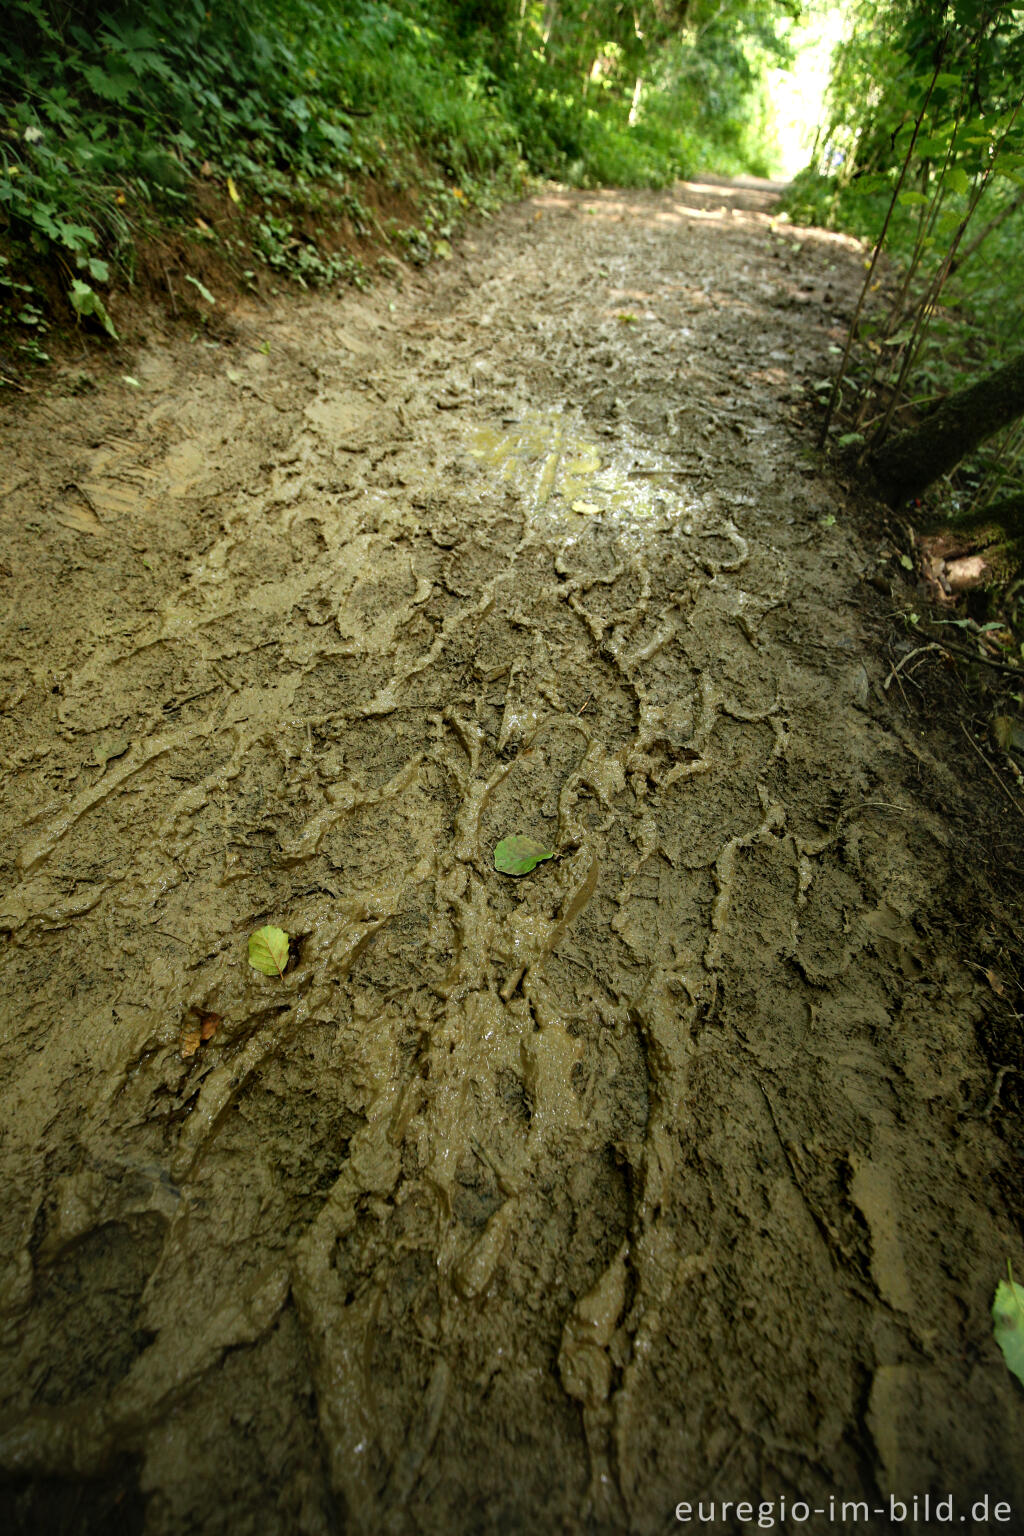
{"x":516,"y":1205}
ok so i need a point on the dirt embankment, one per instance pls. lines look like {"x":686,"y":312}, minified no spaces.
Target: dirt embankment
{"x":667,"y":1171}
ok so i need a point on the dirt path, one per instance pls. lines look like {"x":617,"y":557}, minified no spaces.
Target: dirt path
{"x":517,"y":1205}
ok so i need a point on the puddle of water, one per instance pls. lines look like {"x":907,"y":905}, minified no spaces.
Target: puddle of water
{"x":559,"y":469}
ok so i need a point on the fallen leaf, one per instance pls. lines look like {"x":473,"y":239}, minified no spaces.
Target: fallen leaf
{"x":189,"y":1043}
{"x":209,"y":1023}
{"x":518,"y":854}
{"x":1008,"y":733}
{"x":1008,"y":1320}
{"x":268,"y":950}
{"x":586,"y":507}
{"x":233,"y":190}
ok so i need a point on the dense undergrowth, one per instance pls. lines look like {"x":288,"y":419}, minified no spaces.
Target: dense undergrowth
{"x":124,"y":118}
{"x":922,"y":156}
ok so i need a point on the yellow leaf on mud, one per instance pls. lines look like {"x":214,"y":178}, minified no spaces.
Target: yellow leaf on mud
{"x":233,"y":190}
{"x":189,"y":1043}
{"x":588,"y":508}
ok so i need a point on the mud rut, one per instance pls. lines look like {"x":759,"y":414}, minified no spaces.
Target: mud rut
{"x":531,"y":1205}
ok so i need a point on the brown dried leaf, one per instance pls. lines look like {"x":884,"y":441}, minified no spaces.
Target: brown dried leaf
{"x":209,"y":1023}
{"x":189,"y":1044}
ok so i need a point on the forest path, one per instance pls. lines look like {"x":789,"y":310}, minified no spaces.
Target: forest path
{"x":517,"y":1205}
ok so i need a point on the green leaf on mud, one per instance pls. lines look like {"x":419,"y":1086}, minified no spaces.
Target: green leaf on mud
{"x":517,"y":855}
{"x":849,"y":438}
{"x":268,"y":950}
{"x":1008,"y":1318}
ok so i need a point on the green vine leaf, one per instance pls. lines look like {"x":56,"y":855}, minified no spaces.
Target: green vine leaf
{"x":268,"y":950}
{"x":517,"y":855}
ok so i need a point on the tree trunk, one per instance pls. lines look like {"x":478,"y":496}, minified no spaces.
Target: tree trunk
{"x":907,"y":464}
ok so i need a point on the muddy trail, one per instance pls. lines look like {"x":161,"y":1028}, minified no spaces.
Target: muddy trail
{"x":668,"y":1171}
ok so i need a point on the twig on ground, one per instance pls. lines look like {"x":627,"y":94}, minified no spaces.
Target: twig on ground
{"x":920,"y":650}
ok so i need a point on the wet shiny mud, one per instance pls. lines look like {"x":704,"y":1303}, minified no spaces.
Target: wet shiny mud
{"x":516,"y":1205}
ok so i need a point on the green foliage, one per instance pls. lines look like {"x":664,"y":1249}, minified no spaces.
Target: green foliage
{"x":22,"y":313}
{"x":639,"y":96}
{"x":113,"y":112}
{"x":922,"y":154}
{"x":110,"y":112}
{"x":1008,"y":1320}
{"x":86,"y":301}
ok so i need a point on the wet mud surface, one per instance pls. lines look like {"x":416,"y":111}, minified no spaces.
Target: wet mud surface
{"x":663,"y":1172}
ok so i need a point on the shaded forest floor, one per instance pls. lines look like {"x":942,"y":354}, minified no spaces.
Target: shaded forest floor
{"x":675,"y":1169}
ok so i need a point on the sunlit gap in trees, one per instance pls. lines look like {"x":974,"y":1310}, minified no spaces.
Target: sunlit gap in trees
{"x":797,"y":94}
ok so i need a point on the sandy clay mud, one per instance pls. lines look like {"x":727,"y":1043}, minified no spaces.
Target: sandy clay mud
{"x":518,"y":1205}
